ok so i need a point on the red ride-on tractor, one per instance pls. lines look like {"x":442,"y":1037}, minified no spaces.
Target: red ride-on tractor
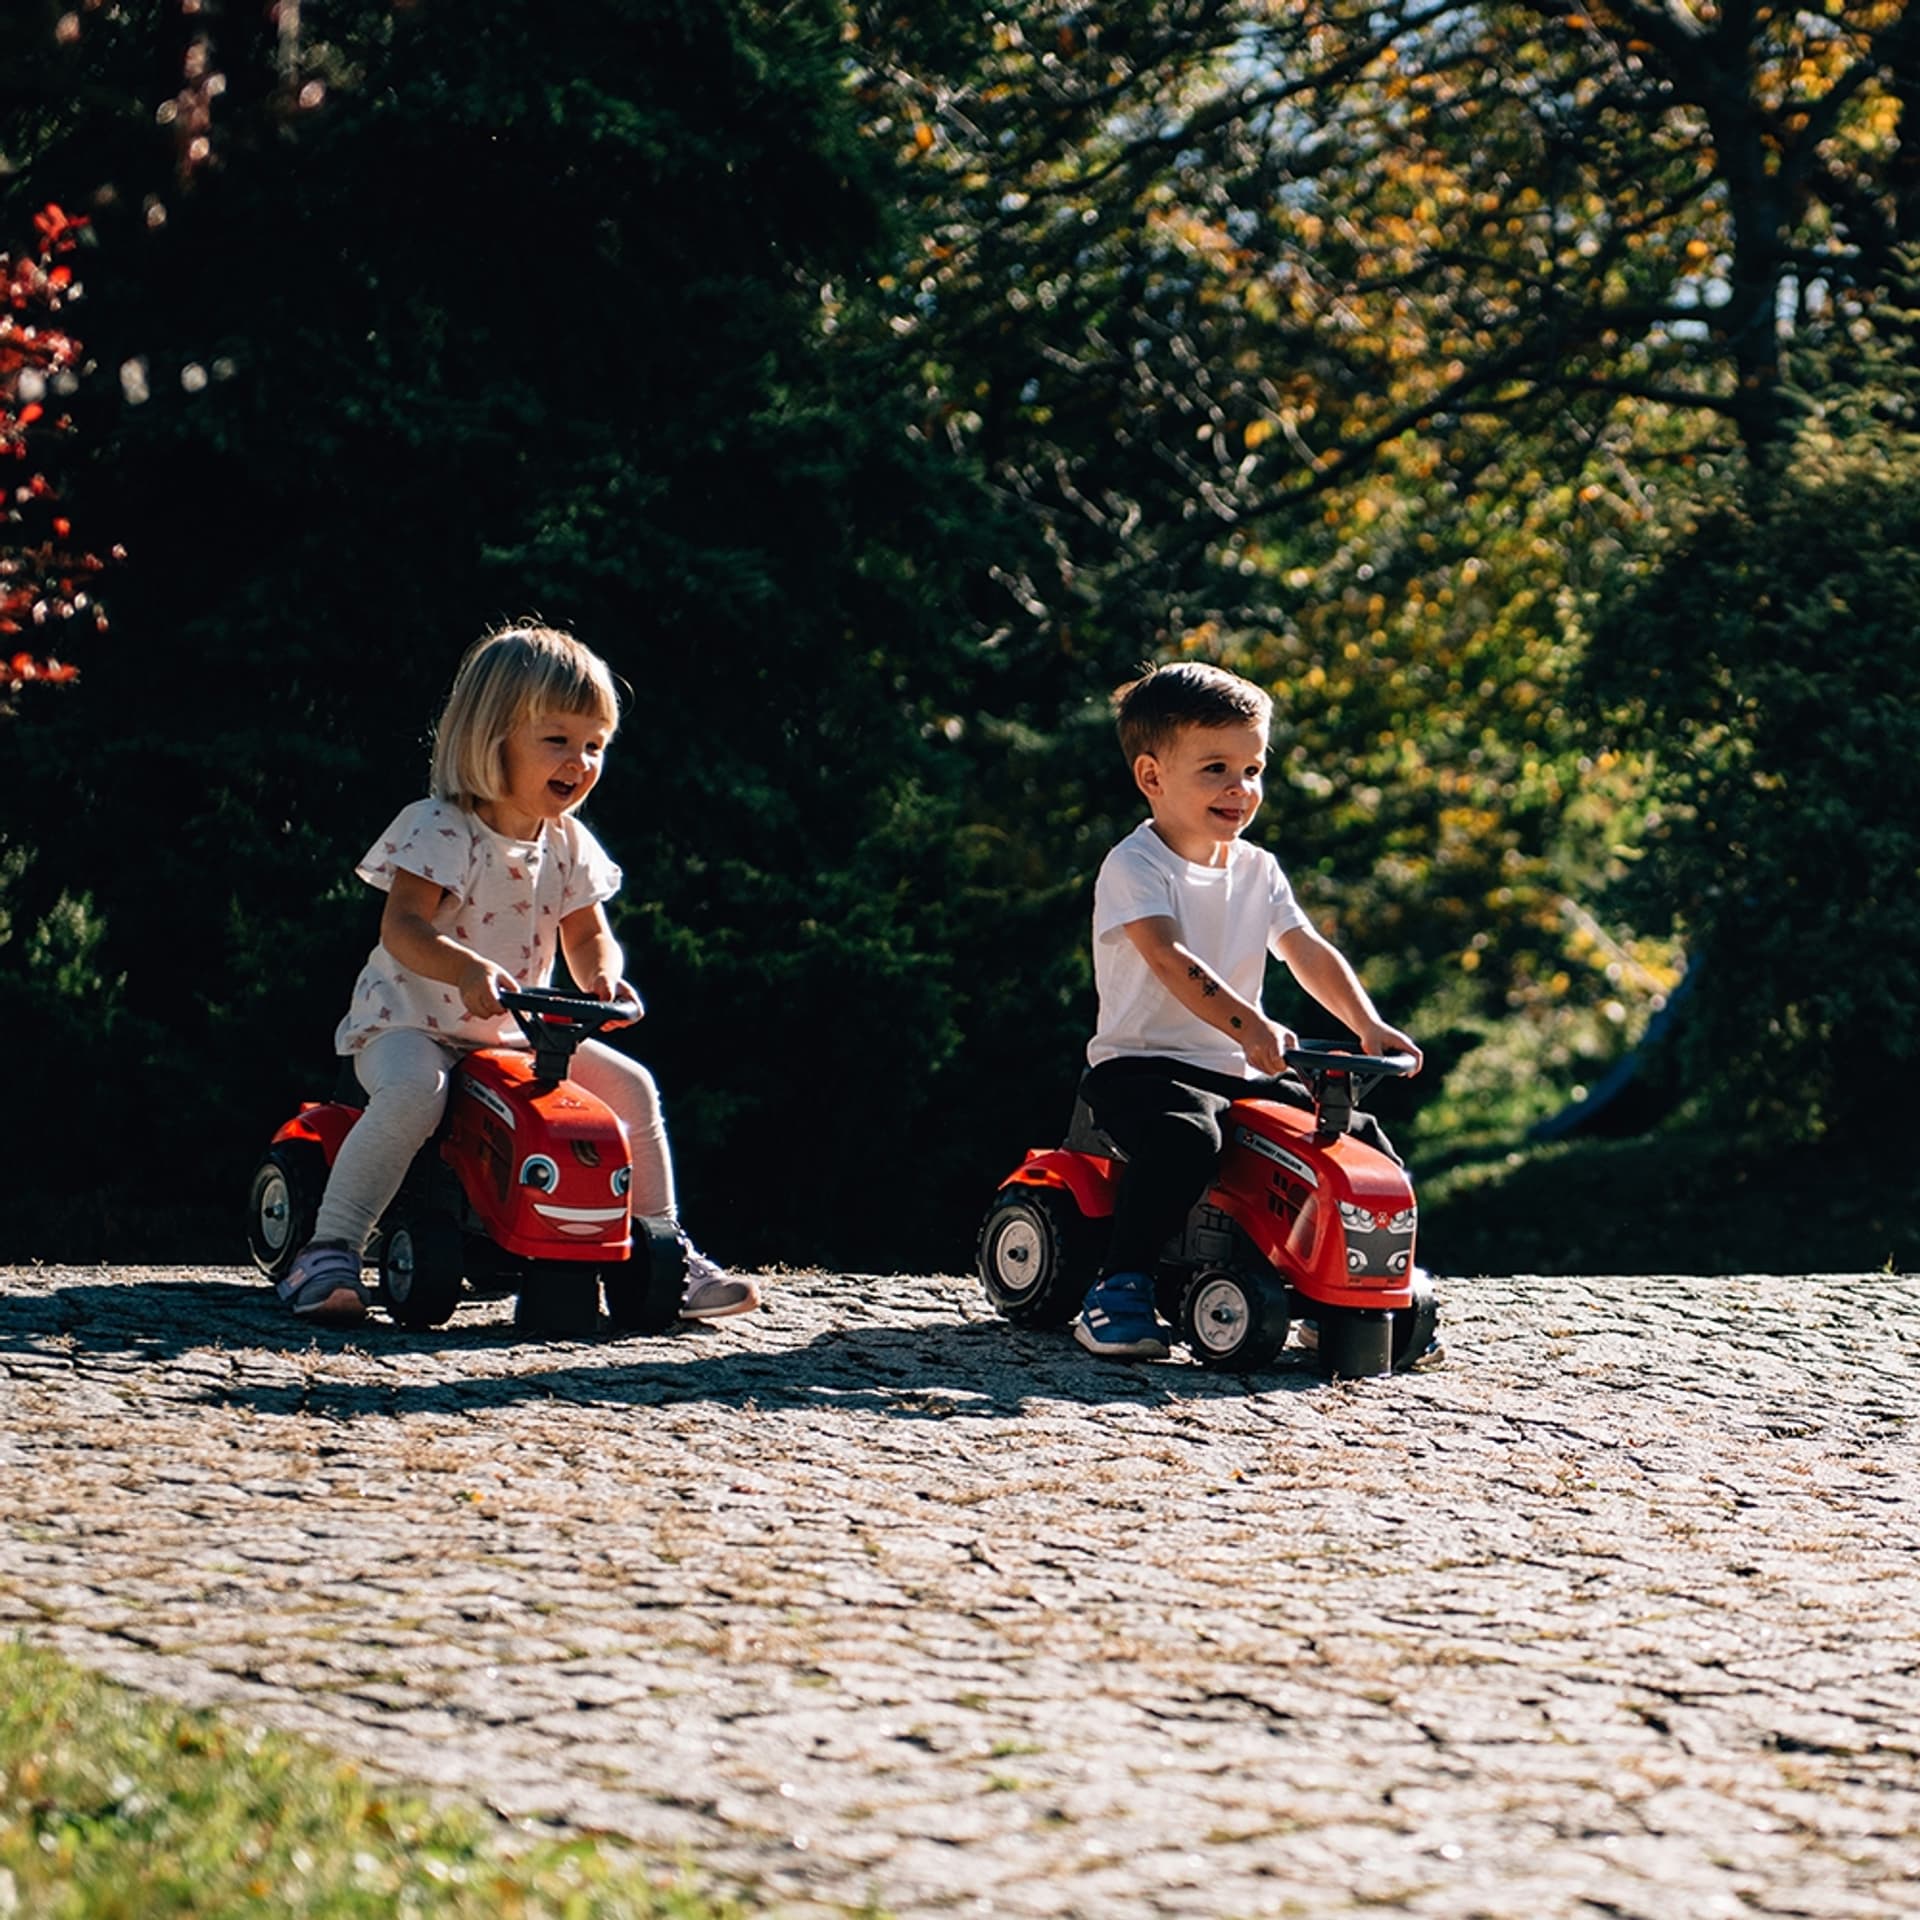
{"x":522,"y":1190}
{"x":1303,"y":1222}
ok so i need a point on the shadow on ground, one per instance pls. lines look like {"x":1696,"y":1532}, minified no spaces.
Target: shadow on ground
{"x":926,"y":1370}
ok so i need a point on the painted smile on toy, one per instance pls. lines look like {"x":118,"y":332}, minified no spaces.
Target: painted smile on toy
{"x":580,"y":1220}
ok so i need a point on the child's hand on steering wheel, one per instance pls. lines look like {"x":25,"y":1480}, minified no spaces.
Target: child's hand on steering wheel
{"x":481,"y":984}
{"x":606,"y":987}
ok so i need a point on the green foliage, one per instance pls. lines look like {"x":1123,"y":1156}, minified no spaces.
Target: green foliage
{"x":112,"y":1808}
{"x":877,"y":387}
{"x":529,"y":318}
{"x":1771,"y":660}
{"x":1685,"y":1200}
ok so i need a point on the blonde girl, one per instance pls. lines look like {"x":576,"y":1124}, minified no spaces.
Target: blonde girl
{"x":487,"y":882}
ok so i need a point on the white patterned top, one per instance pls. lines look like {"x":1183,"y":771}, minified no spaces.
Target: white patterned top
{"x":504,"y":898}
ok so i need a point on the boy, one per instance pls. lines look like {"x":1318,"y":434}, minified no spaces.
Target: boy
{"x":1185,"y":913}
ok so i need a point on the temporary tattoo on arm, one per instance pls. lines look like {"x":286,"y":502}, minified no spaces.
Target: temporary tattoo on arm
{"x":1233,"y":1020}
{"x":1208,"y":986}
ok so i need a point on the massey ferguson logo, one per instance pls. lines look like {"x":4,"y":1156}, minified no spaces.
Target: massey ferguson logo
{"x":1265,"y":1147}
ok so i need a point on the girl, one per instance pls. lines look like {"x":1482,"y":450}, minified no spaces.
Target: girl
{"x":484,"y":882}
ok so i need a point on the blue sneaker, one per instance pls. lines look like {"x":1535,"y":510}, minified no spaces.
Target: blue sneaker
{"x":324,"y":1285}
{"x":1117,"y":1320}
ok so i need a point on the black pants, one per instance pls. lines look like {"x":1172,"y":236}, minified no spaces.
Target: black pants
{"x":1165,"y":1116}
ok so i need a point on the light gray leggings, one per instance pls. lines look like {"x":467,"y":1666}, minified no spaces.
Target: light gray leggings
{"x":406,"y":1075}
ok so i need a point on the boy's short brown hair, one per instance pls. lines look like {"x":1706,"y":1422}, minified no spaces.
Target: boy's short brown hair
{"x":1165,"y":701}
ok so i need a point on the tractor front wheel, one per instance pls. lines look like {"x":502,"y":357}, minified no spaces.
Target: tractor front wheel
{"x":1416,"y":1331}
{"x":420,"y":1268}
{"x":1236,"y":1322}
{"x":559,"y":1300}
{"x":644,"y":1292}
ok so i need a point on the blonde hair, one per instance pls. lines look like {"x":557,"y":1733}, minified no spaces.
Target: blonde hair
{"x":507,"y":677}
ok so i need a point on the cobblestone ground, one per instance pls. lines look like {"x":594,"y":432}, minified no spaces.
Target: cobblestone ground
{"x":871,"y":1598}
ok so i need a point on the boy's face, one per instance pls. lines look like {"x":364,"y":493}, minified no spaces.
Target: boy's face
{"x":1205,"y":788}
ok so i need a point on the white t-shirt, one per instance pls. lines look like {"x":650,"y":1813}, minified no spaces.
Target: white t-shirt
{"x":1231,"y":917}
{"x":504,"y":898}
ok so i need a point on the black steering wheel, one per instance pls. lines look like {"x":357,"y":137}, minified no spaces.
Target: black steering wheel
{"x":555,"y":1021}
{"x":1335,"y":1056}
{"x":1339,"y":1076}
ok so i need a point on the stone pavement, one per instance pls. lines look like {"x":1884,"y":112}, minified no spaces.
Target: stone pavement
{"x":873,"y":1599}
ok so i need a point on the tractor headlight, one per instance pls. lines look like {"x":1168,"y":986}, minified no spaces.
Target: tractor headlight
{"x":1357,"y":1219}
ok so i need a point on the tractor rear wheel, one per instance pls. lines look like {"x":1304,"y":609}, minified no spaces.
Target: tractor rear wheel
{"x":1035,"y":1256}
{"x":282,"y":1203}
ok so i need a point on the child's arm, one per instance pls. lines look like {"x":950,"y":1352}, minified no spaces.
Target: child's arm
{"x":407,"y":932}
{"x":592,"y":953}
{"x":1324,"y":971}
{"x":1206,"y":996}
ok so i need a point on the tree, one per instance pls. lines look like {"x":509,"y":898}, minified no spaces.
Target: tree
{"x":1357,"y":347}
{"x":1771,"y":657}
{"x":415,"y":322}
{"x":44,"y":578}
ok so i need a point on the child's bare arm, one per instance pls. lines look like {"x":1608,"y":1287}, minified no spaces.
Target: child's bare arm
{"x":1206,"y":996}
{"x":592,"y":953}
{"x":1325,"y":972}
{"x":407,"y":932}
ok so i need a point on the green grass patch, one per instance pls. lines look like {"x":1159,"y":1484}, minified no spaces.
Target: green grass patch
{"x":1675,"y":1201}
{"x":114,"y":1807}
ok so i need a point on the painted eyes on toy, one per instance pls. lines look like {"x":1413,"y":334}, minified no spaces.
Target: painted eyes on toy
{"x":621,"y":1181}
{"x":1365,"y":1220}
{"x":539,"y":1173}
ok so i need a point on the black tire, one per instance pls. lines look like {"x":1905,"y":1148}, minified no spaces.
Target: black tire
{"x":1235,"y":1322}
{"x":1356,"y":1343}
{"x":645,"y":1290}
{"x":420,"y":1268}
{"x":1035,"y":1256}
{"x":1416,"y":1332}
{"x":559,"y":1301}
{"x":282,"y":1203}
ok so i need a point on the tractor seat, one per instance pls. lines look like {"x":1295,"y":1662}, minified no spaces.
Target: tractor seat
{"x":347,"y":1090}
{"x":1085,"y":1136}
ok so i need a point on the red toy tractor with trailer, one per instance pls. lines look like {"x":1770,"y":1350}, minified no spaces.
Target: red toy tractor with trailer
{"x":1303,"y":1222}
{"x":522,"y":1190}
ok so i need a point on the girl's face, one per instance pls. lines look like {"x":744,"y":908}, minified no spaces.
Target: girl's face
{"x":552,"y":761}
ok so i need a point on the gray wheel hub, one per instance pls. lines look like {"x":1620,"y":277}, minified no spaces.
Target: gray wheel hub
{"x":1220,"y":1315}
